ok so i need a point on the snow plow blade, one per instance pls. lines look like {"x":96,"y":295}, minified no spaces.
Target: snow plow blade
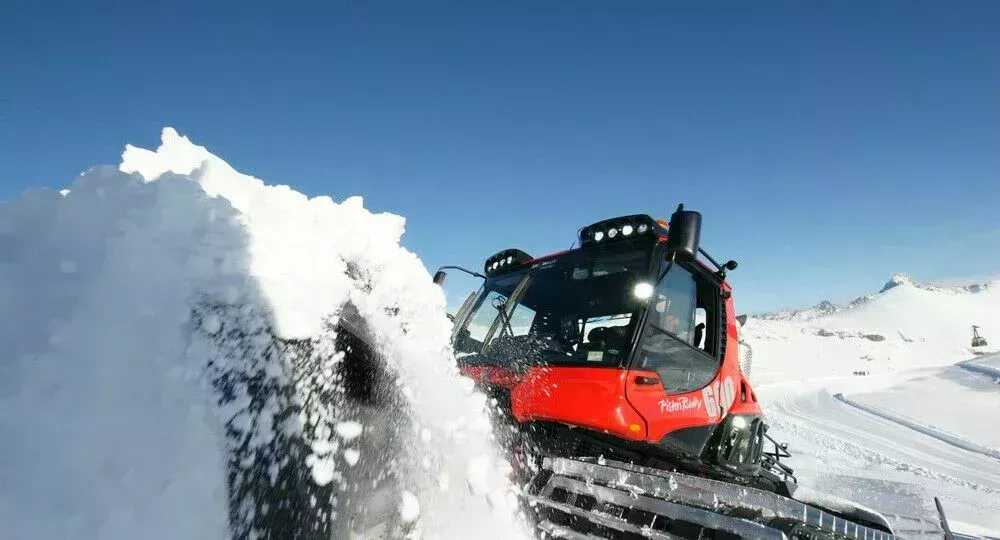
{"x":586,"y":498}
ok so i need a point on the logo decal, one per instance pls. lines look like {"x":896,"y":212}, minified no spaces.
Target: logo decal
{"x":718,"y":397}
{"x":679,"y":405}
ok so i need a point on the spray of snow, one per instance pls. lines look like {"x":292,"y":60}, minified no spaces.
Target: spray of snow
{"x":175,"y":321}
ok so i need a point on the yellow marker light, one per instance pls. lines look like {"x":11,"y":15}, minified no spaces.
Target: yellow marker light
{"x":634,"y":428}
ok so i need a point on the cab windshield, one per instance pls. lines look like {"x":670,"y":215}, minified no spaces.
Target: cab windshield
{"x":577,"y":309}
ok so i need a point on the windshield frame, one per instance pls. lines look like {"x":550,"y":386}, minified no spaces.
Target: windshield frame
{"x":649,"y":270}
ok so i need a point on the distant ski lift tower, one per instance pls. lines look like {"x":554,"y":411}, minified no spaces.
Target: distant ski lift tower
{"x":977,"y":340}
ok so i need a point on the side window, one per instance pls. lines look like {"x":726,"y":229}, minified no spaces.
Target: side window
{"x":681,"y":342}
{"x":521,"y":319}
{"x":674,"y":304}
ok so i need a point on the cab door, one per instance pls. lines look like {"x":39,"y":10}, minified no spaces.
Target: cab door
{"x":673,"y":379}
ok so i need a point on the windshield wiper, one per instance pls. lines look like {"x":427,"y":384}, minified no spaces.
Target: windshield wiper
{"x":501,"y":307}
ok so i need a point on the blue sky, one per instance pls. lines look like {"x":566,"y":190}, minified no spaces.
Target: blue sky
{"x":828,"y":144}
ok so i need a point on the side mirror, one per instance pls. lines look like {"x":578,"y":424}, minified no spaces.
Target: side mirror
{"x":742,"y":319}
{"x":439,"y":277}
{"x":684,"y":234}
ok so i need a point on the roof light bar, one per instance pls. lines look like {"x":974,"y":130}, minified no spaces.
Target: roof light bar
{"x":505,"y":260}
{"x":620,"y":228}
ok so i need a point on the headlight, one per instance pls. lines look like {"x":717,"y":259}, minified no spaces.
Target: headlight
{"x":503,"y":261}
{"x":620,"y":228}
{"x":643,"y":291}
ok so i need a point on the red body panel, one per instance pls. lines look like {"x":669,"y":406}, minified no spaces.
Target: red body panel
{"x":491,"y":375}
{"x":592,"y":398}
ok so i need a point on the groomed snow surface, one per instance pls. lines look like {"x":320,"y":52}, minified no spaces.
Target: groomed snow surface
{"x":879,"y":401}
{"x":157,"y":321}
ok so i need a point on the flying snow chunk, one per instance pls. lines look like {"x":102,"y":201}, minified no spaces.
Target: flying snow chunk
{"x":322,"y":471}
{"x":476,"y":474}
{"x":351,"y":456}
{"x":349,"y":430}
{"x":211,"y":324}
{"x":324,"y":447}
{"x":409,"y":507}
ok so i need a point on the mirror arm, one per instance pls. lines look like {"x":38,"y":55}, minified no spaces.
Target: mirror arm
{"x":466,"y":270}
{"x":710,"y":259}
{"x":721,"y":268}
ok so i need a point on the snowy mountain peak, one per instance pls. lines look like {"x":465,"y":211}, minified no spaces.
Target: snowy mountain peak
{"x":896,"y":281}
{"x":825,"y":305}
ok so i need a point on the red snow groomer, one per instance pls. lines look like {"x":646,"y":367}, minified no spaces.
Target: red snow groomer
{"x":615,"y":368}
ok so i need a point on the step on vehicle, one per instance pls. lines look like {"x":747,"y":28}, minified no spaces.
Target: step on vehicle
{"x":620,"y":396}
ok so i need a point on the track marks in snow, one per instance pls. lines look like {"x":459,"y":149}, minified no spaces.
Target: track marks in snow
{"x":930,"y":431}
{"x":868,"y":444}
{"x":986,"y":365}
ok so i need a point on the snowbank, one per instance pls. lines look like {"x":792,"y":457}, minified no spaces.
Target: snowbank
{"x":171,"y":322}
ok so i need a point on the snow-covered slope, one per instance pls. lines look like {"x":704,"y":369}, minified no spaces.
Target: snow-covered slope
{"x":904,"y":326}
{"x":157,"y":320}
{"x":912,"y":425}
